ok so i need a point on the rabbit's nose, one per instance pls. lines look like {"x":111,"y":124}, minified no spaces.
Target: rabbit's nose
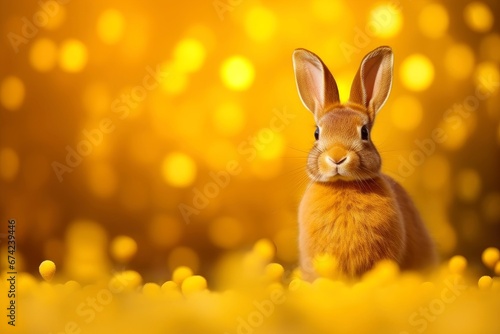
{"x":337,"y":155}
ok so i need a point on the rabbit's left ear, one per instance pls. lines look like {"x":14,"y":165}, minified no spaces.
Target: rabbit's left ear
{"x":372,"y":84}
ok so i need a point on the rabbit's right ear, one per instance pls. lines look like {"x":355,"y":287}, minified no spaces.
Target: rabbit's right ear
{"x":316,"y":85}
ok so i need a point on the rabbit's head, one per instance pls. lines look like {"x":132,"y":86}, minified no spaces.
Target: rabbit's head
{"x":343,"y":149}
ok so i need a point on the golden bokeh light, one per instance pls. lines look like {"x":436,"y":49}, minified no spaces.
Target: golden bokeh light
{"x":386,"y":20}
{"x":237,"y":73}
{"x":260,"y":24}
{"x":178,"y":169}
{"x":273,"y":148}
{"x":9,"y":164}
{"x":183,"y":256}
{"x":226,"y":232}
{"x":56,"y":18}
{"x":433,"y":20}
{"x":189,"y":55}
{"x":176,"y":81}
{"x":478,"y":16}
{"x":110,"y":26}
{"x":164,"y":231}
{"x":417,"y":72}
{"x":406,"y":112}
{"x":43,"y":54}
{"x":123,"y":248}
{"x":459,"y":61}
{"x":12,"y":93}
{"x":487,"y":75}
{"x":72,"y":55}
{"x":468,"y":185}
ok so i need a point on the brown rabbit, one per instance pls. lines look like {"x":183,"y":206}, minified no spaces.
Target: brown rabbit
{"x":351,"y":210}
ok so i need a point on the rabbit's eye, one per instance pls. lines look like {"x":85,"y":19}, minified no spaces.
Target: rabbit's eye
{"x":364,"y":132}
{"x":316,"y":133}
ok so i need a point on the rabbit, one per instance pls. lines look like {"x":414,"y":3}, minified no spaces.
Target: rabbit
{"x":350,"y":210}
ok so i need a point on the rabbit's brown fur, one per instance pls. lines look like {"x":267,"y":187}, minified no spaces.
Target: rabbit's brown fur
{"x":351,"y":210}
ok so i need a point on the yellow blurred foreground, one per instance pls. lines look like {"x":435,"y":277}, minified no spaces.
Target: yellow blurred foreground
{"x":258,"y":296}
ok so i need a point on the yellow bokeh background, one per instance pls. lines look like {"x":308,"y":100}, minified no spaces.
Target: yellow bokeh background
{"x":179,"y":124}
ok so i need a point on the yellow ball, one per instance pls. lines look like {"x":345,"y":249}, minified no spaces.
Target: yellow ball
{"x":491,"y":256}
{"x":169,"y":286}
{"x":497,"y":269}
{"x":457,"y":264}
{"x":485,"y":282}
{"x":181,"y":273}
{"x":264,"y":249}
{"x":47,"y":270}
{"x":151,"y":289}
{"x":274,"y":271}
{"x":194,"y":284}
{"x":123,"y":248}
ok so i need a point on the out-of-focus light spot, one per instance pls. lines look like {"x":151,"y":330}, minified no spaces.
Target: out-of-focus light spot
{"x":86,"y":251}
{"x":478,"y":16}
{"x":96,"y":99}
{"x":56,"y":19}
{"x":260,"y":24}
{"x":176,"y":80}
{"x":72,"y":55}
{"x":123,"y":248}
{"x":490,"y":47}
{"x":468,"y":185}
{"x":237,"y":73}
{"x":110,"y":26}
{"x":273,"y":149}
{"x":433,"y":20}
{"x":459,"y":61}
{"x":487,"y":76}
{"x":406,"y":112}
{"x":9,"y":164}
{"x":417,"y":72}
{"x":264,"y":249}
{"x":491,"y":207}
{"x":12,"y":93}
{"x":102,"y":180}
{"x":43,"y":55}
{"x":386,"y":20}
{"x":490,"y":257}
{"x":286,"y":248}
{"x":189,"y":55}
{"x":456,"y":133}
{"x":219,"y":153}
{"x":485,"y":282}
{"x":164,"y":231}
{"x":436,"y":172}
{"x":183,"y":256}
{"x":225,"y":232}
{"x":229,"y":118}
{"x":204,"y":34}
{"x":178,"y":169}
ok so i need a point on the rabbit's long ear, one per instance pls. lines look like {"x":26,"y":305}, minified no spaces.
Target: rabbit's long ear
{"x":372,"y":84}
{"x":316,"y":85}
